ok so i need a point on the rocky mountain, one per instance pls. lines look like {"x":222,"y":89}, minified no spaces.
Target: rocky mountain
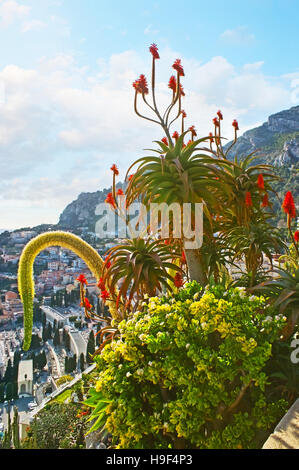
{"x":276,"y":142}
{"x":81,"y":212}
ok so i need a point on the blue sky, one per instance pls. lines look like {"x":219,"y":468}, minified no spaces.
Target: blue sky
{"x":66,"y":70}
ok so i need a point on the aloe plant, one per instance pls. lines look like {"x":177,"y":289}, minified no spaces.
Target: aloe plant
{"x":284,"y":294}
{"x":141,"y":267}
{"x":25,"y":272}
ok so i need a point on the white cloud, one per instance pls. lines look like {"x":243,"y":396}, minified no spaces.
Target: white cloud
{"x":33,"y":25}
{"x":239,"y":36}
{"x":11,"y":11}
{"x":61,"y":127}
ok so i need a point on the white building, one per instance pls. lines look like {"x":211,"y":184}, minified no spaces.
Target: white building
{"x":25,"y":378}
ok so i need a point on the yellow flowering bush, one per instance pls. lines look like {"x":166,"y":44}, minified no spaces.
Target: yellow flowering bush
{"x":188,"y":372}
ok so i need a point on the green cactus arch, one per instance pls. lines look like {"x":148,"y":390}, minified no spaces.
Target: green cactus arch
{"x":25,"y":272}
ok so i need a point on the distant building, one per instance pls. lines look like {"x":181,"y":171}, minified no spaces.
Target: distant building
{"x":25,"y":378}
{"x":10,"y":296}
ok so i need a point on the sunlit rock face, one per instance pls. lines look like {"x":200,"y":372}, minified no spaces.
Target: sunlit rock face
{"x":268,"y":139}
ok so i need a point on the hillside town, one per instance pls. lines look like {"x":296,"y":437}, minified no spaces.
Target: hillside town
{"x":63,"y":339}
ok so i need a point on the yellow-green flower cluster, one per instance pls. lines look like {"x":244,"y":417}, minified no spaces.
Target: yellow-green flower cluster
{"x":182,"y":363}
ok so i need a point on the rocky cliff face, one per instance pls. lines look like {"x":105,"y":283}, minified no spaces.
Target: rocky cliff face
{"x":81,"y":212}
{"x":277,"y":139}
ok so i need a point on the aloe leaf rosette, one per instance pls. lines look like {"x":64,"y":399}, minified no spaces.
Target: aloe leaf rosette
{"x":25,"y":273}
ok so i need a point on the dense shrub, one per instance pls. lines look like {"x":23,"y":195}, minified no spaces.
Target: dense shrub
{"x":64,"y":379}
{"x":57,"y":426}
{"x":188,"y":372}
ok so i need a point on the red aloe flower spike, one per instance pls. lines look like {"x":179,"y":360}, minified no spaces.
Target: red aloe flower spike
{"x":110,"y":200}
{"x":120,"y":192}
{"x":105,"y":295}
{"x":289,"y":205}
{"x":248,"y":200}
{"x":220,"y":115}
{"x":175,"y":136}
{"x":140,"y":85}
{"x":82,"y":279}
{"x":101,"y":284}
{"x":131,"y":177}
{"x":296,"y":236}
{"x":235,"y":125}
{"x":107,"y":262}
{"x":172,"y":84}
{"x":87,"y":304}
{"x":154,"y":51}
{"x":178,"y":67}
{"x":115,"y":170}
{"x":178,"y":280}
{"x":260,"y":181}
{"x":193,"y":131}
{"x":265,"y":202}
{"x":183,"y":114}
{"x":211,"y":137}
{"x":216,"y":122}
{"x":165,"y":141}
{"x":183,"y":259}
{"x":182,"y":91}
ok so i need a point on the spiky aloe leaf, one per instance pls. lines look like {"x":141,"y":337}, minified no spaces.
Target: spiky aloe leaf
{"x":25,"y":272}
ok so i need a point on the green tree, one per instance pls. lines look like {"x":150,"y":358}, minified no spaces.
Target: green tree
{"x":15,"y":429}
{"x":8,"y":433}
{"x":2,"y":392}
{"x":8,"y":376}
{"x":56,"y":339}
{"x":9,"y":391}
{"x":90,"y":348}
{"x":82,"y":362}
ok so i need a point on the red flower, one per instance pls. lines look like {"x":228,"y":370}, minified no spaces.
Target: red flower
{"x":289,"y":205}
{"x":140,"y":85}
{"x":248,"y":200}
{"x":211,"y":137}
{"x":154,"y":51}
{"x":105,"y":295}
{"x":260,"y":181}
{"x":101,"y":284}
{"x":131,"y":177}
{"x":107,"y":262}
{"x":167,"y":241}
{"x":120,"y":192}
{"x":82,"y":279}
{"x":178,"y":280}
{"x":183,"y":258}
{"x":265,"y":202}
{"x":219,"y":114}
{"x":183,"y":114}
{"x":216,"y":122}
{"x":115,"y":170}
{"x":193,"y":131}
{"x":165,"y":141}
{"x":110,"y":200}
{"x":175,"y":136}
{"x":190,"y":142}
{"x":235,"y":125}
{"x":87,"y":304}
{"x":296,"y":236}
{"x":178,"y":67}
{"x":172,"y":83}
{"x":182,"y":90}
